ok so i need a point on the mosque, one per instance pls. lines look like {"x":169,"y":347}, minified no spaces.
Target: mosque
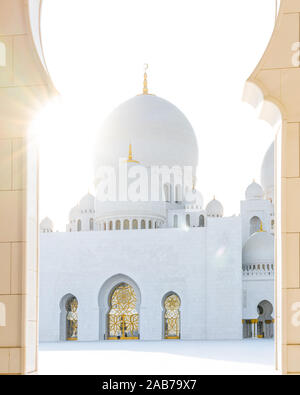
{"x":153,"y":269}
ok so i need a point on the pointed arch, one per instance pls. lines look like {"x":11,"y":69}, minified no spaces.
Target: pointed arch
{"x":188,"y":220}
{"x":91,"y":224}
{"x":104,"y":299}
{"x":126,"y":224}
{"x":201,"y":221}
{"x":68,"y":317}
{"x":171,"y":316}
{"x":254,"y":224}
{"x":265,"y":322}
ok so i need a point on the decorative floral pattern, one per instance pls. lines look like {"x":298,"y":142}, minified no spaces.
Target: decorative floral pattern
{"x":172,"y":317}
{"x":123,"y":318}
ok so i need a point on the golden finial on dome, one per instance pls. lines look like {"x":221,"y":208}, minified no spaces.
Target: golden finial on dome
{"x":145,"y":90}
{"x":130,"y":157}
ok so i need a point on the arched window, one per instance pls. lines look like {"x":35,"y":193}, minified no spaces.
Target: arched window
{"x":265,"y":322}
{"x":110,"y":225}
{"x":172,"y":317}
{"x":201,"y":221}
{"x":178,"y":194}
{"x":2,"y":55}
{"x":2,"y":314}
{"x":123,"y":316}
{"x":143,"y":224}
{"x":167,"y":192}
{"x":175,"y":221}
{"x":126,"y":224}
{"x":104,"y":226}
{"x":79,"y":225}
{"x":69,"y":318}
{"x":91,"y":224}
{"x":272,"y":224}
{"x":188,"y":220}
{"x":150,"y":224}
{"x":134,"y":224}
{"x":118,"y":224}
{"x":254,"y":224}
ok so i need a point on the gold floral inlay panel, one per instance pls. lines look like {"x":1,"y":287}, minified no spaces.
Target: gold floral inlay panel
{"x":172,"y":317}
{"x":123,"y":318}
{"x":72,"y":319}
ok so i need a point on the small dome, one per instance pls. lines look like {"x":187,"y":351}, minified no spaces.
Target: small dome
{"x":254,"y":191}
{"x":87,"y":202}
{"x":267,"y":173}
{"x":46,"y":225}
{"x":197,"y":198}
{"x":214,"y":209}
{"x":259,"y":248}
{"x":74,"y":213}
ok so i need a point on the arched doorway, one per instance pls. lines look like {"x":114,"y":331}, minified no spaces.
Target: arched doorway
{"x":172,"y":316}
{"x":254,"y":225}
{"x":201,"y":221}
{"x":69,"y":318}
{"x":123,"y":317}
{"x":265,"y":322}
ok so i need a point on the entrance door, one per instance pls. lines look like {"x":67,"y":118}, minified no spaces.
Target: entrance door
{"x":123,"y":318}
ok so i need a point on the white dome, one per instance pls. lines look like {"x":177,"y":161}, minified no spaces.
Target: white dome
{"x":214,"y":209}
{"x":74,"y":213}
{"x":46,"y":225}
{"x":254,"y":191}
{"x":259,"y":248}
{"x":196,"y":196}
{"x":267,"y":173}
{"x":159,"y":132}
{"x":87,"y":202}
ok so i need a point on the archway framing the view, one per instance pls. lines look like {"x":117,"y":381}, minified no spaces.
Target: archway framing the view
{"x":275,"y":83}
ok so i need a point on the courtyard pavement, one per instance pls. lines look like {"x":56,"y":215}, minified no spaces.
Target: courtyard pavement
{"x":153,"y":357}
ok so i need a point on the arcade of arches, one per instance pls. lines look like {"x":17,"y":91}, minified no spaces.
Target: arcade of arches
{"x":123,"y":317}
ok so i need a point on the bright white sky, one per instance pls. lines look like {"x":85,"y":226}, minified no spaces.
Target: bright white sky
{"x":199,"y":52}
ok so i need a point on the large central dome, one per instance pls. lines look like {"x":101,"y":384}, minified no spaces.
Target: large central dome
{"x":159,"y":132}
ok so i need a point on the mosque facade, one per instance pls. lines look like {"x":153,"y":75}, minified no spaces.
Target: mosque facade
{"x":137,"y":266}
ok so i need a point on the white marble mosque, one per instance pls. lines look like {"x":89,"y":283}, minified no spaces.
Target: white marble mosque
{"x":168,"y":269}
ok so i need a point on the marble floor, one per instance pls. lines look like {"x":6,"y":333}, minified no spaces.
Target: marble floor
{"x":165,"y":357}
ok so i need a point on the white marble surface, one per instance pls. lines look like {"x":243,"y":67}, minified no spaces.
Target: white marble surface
{"x":164,"y":357}
{"x":201,"y":265}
